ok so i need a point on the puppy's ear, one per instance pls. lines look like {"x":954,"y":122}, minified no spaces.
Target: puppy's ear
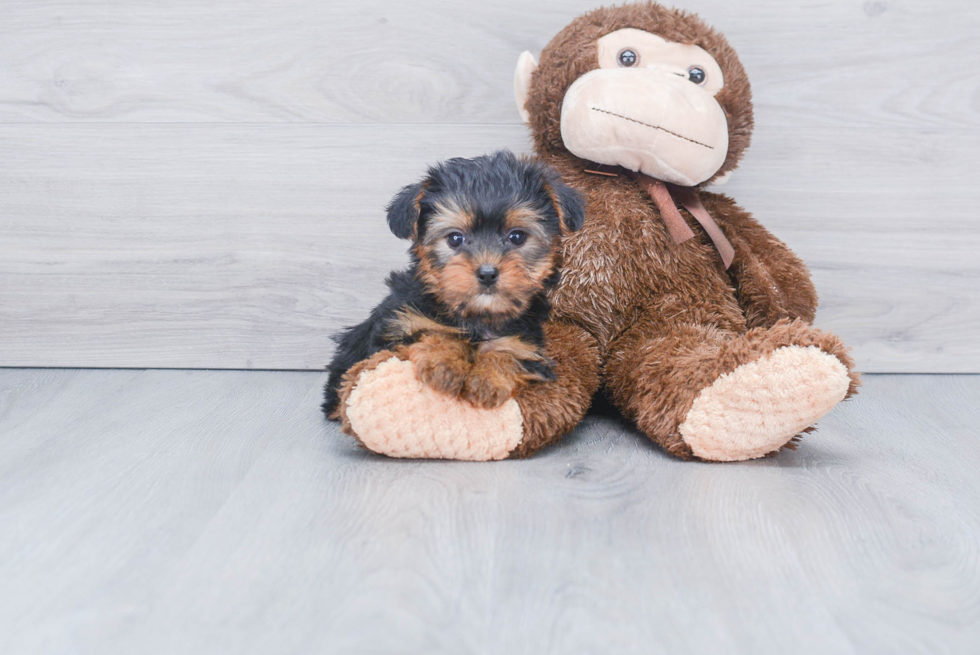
{"x":567,"y":201}
{"x":404,"y":210}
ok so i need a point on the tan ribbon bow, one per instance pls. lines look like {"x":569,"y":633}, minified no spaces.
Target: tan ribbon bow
{"x":667,"y":196}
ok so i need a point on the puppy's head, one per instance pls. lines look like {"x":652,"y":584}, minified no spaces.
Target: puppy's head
{"x":486,"y":231}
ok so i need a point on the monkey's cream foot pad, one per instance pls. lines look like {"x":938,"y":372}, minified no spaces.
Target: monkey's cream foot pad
{"x":757,"y":408}
{"x":394,"y":414}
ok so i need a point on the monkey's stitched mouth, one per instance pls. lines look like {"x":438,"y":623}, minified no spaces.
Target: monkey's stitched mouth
{"x":656,"y":127}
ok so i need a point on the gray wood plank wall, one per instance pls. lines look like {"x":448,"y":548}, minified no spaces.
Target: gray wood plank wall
{"x":191,"y":184}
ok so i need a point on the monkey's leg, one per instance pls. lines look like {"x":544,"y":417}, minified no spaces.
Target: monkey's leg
{"x":553,"y":409}
{"x":705,"y":393}
{"x":386,"y":406}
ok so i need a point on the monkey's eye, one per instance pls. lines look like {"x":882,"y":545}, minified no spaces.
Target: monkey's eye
{"x":517,"y":237}
{"x":627,"y":58}
{"x":696,"y":75}
{"x":455,"y":239}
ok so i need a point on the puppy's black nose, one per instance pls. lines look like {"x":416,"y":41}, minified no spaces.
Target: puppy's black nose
{"x":487,"y":274}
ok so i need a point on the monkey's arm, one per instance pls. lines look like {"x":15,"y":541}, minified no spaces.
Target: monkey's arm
{"x":771,"y":281}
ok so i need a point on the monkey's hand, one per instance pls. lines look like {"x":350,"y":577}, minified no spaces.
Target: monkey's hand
{"x":771,"y":282}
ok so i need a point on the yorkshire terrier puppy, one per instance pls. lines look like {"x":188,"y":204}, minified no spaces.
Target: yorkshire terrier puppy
{"x":469,"y":310}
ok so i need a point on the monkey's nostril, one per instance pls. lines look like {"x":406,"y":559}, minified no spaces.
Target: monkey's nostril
{"x":487,"y":274}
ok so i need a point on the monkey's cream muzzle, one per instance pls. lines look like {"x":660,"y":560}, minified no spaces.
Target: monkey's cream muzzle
{"x":651,"y":120}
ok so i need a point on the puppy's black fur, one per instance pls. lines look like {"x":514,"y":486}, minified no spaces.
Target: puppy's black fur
{"x":473,"y":202}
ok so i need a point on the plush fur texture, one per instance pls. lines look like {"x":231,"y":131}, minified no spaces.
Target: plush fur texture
{"x":468,"y":313}
{"x":663,"y":327}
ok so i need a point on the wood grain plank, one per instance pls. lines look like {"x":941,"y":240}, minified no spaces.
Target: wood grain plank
{"x":198,"y":246}
{"x":191,"y":246}
{"x":201,"y":512}
{"x":854,"y":63}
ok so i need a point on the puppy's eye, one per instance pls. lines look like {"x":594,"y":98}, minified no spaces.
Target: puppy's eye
{"x":455,"y":239}
{"x":628,"y":58}
{"x":517,"y":237}
{"x":696,"y":75}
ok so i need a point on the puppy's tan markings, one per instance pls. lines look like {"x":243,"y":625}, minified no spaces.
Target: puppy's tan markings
{"x":451,"y":279}
{"x":523,"y":217}
{"x":498,"y":371}
{"x":519,"y":282}
{"x":556,"y":202}
{"x":513,"y":346}
{"x":427,"y":273}
{"x":448,"y":217}
{"x":457,"y":285}
{"x":408,"y":323}
{"x":441,"y":362}
{"x":418,"y":207}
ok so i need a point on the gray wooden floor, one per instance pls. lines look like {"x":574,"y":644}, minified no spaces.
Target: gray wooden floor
{"x":215,"y":512}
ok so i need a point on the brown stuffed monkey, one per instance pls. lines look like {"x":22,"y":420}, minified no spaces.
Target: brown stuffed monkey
{"x":691,"y":317}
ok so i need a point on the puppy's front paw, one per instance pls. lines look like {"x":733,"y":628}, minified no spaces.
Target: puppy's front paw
{"x":441,"y":363}
{"x":494,"y":378}
{"x":539,"y":370}
{"x":488,"y":392}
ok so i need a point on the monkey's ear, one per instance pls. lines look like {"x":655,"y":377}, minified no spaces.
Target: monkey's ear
{"x":404,"y":210}
{"x":526,"y":64}
{"x":720,"y":180}
{"x":568,"y":203}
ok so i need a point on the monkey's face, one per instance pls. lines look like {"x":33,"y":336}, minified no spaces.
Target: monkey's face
{"x":649,"y":107}
{"x":641,"y":86}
